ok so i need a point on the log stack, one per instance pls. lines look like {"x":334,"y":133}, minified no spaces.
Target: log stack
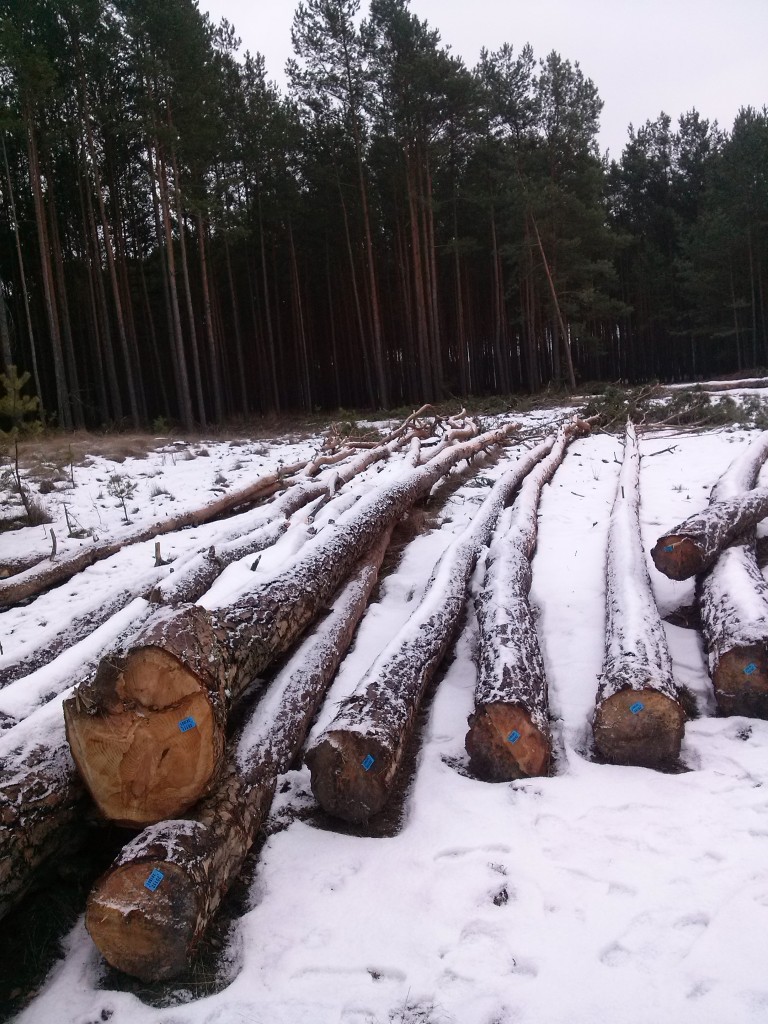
{"x":733,"y":600}
{"x":148,"y":733}
{"x":355,"y":761}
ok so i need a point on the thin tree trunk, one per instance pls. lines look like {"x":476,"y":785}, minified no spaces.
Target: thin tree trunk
{"x":62,"y":394}
{"x":213,"y":357}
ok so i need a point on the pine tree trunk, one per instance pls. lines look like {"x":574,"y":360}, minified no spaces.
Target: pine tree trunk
{"x":638,"y":718}
{"x":151,"y":933}
{"x":509,"y":736}
{"x":694,"y":545}
{"x":733,"y":599}
{"x":354,"y":763}
{"x":213,"y":356}
{"x":148,"y":733}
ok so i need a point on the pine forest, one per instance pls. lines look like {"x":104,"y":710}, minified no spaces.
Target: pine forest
{"x":181,"y":241}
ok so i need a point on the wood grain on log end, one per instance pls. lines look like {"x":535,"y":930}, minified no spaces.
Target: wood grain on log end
{"x":135,"y":916}
{"x":639,"y":727}
{"x":741,"y":682}
{"x":503,"y":744}
{"x":351,"y":775}
{"x":156,"y":749}
{"x":677,"y":557}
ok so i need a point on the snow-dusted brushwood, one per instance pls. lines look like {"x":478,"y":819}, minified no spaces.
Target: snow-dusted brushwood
{"x":638,"y":718}
{"x":148,"y":733}
{"x":693,"y":546}
{"x":150,"y":930}
{"x":42,"y":576}
{"x":355,"y":760}
{"x":733,"y":599}
{"x":509,"y":734}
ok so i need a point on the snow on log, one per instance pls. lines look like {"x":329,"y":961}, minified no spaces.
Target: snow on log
{"x":354,"y":762}
{"x":693,"y":546}
{"x":638,"y":719}
{"x":509,"y":734}
{"x":148,"y":733}
{"x":42,"y":799}
{"x":733,"y":600}
{"x":150,"y":930}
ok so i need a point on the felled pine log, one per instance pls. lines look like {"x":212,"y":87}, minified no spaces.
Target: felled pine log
{"x":148,"y":733}
{"x":733,"y":601}
{"x":638,"y":718}
{"x":199,"y":573}
{"x":509,"y":736}
{"x":354,"y":762}
{"x":692,"y":547}
{"x":42,"y":800}
{"x":149,"y":911}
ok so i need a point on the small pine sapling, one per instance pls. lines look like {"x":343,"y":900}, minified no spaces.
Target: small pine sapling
{"x":122,"y":488}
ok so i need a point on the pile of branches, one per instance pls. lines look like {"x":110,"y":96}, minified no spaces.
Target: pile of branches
{"x":654,"y":405}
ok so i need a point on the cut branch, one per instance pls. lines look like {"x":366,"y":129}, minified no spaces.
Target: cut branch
{"x":638,"y":718}
{"x":148,"y":733}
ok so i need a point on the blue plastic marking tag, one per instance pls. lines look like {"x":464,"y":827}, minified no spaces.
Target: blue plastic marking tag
{"x":187,"y":723}
{"x":751,"y":667}
{"x":669,"y":547}
{"x":155,"y":878}
{"x":637,"y":707}
{"x":368,"y":762}
{"x":514,"y":736}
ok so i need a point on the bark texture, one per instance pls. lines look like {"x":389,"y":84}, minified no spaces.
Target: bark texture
{"x":354,"y":762}
{"x":151,"y":932}
{"x":693,"y":546}
{"x":733,"y":600}
{"x":509,"y":736}
{"x":148,"y":733}
{"x":638,"y":718}
{"x":41,"y":800}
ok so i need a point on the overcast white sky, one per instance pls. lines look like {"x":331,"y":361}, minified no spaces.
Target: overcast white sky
{"x":644,"y":55}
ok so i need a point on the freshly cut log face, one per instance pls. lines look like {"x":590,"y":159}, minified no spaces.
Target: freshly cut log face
{"x":638,"y":718}
{"x":156,"y":749}
{"x":219,"y":653}
{"x":642,"y":727}
{"x":509,"y":736}
{"x":693,"y":546}
{"x":503,"y":743}
{"x":147,"y":913}
{"x":356,"y":759}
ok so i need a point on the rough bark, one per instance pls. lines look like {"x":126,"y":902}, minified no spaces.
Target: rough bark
{"x":41,"y":799}
{"x":151,"y":933}
{"x":693,"y":546}
{"x":733,"y":600}
{"x":638,"y":718}
{"x":509,"y":736}
{"x":148,"y":733}
{"x":355,"y":761}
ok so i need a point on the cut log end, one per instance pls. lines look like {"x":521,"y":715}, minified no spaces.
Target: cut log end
{"x":156,"y":750}
{"x":141,"y":918}
{"x":678,"y":557}
{"x":351,"y":775}
{"x":639,"y":727}
{"x":741,"y":682}
{"x":504,"y":744}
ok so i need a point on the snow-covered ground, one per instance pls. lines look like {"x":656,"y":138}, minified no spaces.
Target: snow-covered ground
{"x":601,"y":894}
